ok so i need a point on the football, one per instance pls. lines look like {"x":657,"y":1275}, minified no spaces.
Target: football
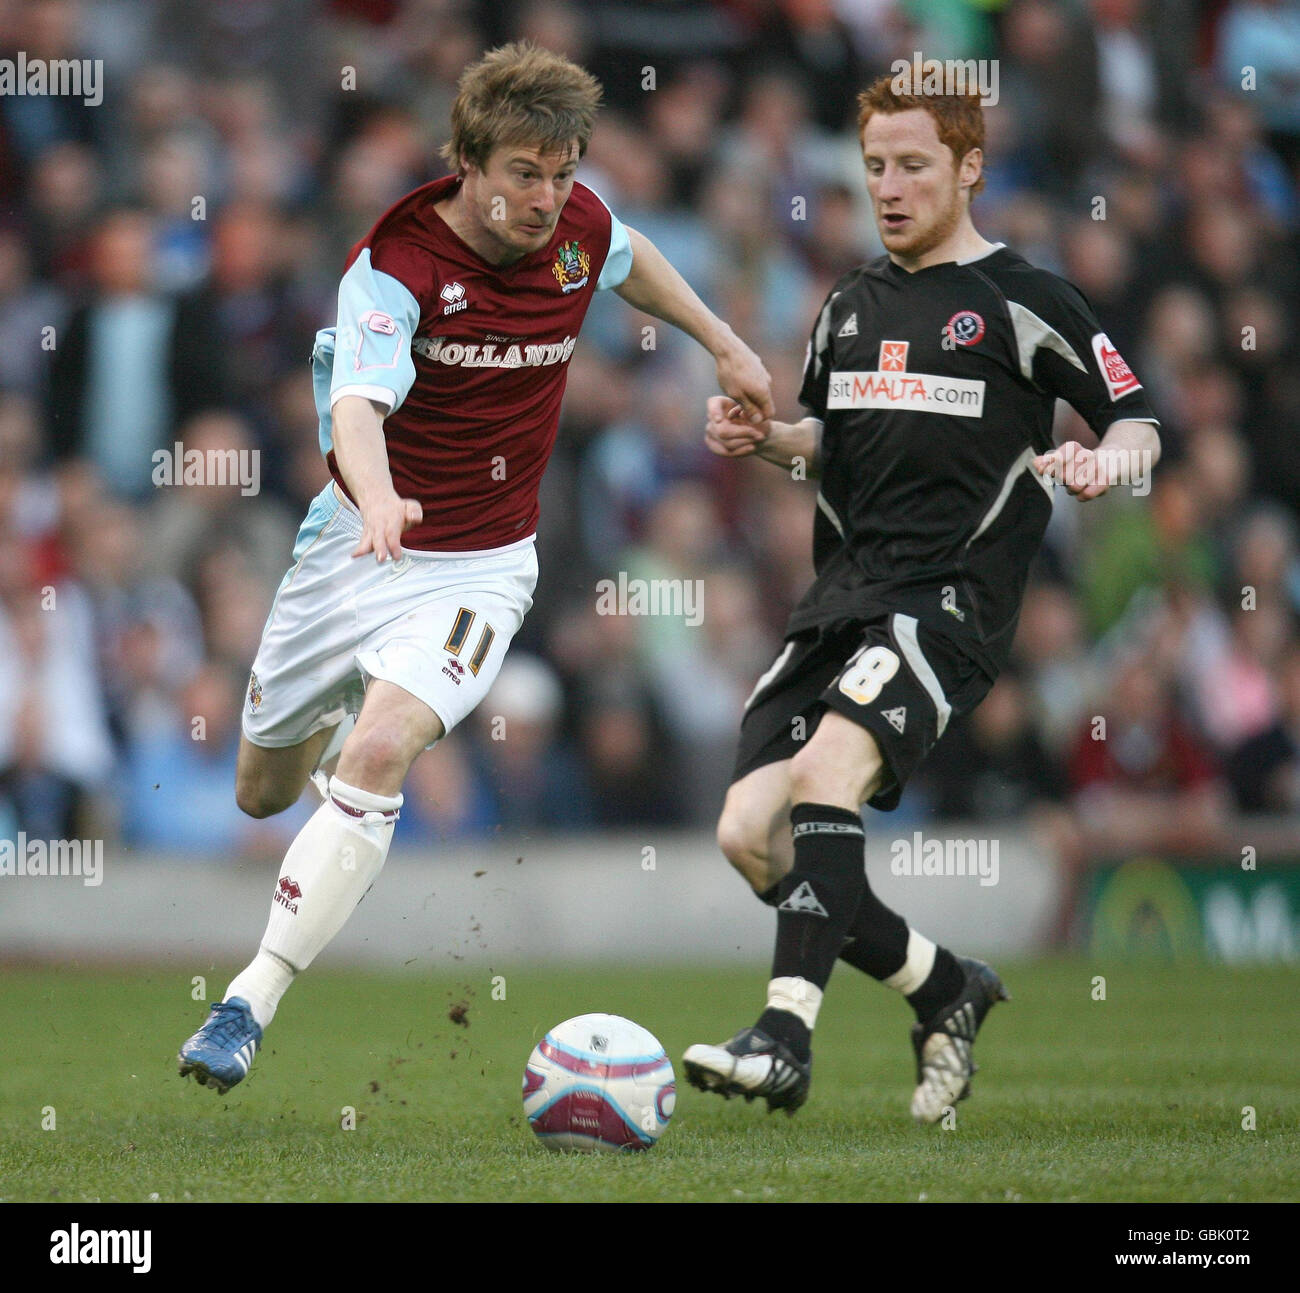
{"x":599,"y":1083}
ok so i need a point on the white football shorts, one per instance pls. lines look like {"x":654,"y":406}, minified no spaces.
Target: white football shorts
{"x":435,"y":624}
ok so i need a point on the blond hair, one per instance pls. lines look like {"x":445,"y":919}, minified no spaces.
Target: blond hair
{"x":521,"y":94}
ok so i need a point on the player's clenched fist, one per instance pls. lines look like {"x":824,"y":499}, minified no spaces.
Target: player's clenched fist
{"x":1080,"y":470}
{"x":742,"y":375}
{"x":382,"y":525}
{"x":728,"y":431}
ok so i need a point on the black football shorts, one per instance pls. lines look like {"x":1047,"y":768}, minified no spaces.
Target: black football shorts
{"x":895,"y":677}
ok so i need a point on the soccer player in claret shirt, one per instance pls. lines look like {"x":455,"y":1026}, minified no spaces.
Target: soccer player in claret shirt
{"x":930,"y":383}
{"x":439,"y":398}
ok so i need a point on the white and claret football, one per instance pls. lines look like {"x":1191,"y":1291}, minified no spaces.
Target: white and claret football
{"x":599,"y":1082}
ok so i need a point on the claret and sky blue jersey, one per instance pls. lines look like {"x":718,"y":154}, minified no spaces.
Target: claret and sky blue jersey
{"x":470,"y":358}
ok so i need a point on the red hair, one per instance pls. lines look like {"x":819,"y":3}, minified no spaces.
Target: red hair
{"x":958,"y":118}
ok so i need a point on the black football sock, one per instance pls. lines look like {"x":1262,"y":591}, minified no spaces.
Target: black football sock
{"x":787,"y":1028}
{"x":876,"y":942}
{"x":944,"y":982}
{"x":879,"y":943}
{"x":819,"y":898}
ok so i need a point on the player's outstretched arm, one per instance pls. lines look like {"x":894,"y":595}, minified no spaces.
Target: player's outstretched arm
{"x":1124,"y":455}
{"x":654,"y":286}
{"x":362,"y":456}
{"x":787,"y":444}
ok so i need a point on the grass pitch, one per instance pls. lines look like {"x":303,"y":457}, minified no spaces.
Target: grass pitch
{"x":1138,"y":1097}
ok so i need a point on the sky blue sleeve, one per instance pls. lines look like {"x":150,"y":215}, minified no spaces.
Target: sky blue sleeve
{"x":378,"y":316}
{"x":618,"y":264}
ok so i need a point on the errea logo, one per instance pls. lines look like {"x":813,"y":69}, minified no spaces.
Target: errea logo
{"x":287,"y":892}
{"x":454,"y":295}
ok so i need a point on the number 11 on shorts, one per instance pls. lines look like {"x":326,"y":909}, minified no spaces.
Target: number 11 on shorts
{"x":460,"y":633}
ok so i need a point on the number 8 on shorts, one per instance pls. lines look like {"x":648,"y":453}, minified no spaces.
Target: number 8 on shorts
{"x":867,"y":672}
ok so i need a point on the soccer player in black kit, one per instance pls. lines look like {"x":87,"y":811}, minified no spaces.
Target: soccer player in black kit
{"x":930,"y":383}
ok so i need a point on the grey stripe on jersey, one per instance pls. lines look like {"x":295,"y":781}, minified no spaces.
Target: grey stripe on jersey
{"x":830,"y":513}
{"x":905,"y":635}
{"x":821,"y":335}
{"x":1023,"y":463}
{"x":1032,"y":333}
{"x":777,"y":665}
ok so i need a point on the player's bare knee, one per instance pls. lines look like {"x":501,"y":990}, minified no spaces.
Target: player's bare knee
{"x":374,"y":758}
{"x":744,"y":844}
{"x":818,"y":776}
{"x":258,"y":798}
{"x":809,"y":779}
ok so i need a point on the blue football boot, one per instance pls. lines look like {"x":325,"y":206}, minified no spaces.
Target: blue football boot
{"x":220,"y":1053}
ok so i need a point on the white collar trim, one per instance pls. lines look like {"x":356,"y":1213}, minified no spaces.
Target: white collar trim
{"x":997,"y":246}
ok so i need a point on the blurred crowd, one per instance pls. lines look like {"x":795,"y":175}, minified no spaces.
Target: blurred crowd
{"x":166,"y":257}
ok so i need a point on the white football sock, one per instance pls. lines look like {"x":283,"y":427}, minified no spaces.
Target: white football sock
{"x":796,"y":995}
{"x":329,"y":756}
{"x":328,"y":869}
{"x":261,"y":983}
{"x":916,"y":969}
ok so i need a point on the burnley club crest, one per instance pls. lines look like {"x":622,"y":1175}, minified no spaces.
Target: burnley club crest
{"x":571,"y":266}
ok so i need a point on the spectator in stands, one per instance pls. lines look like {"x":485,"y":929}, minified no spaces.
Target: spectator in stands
{"x":29,"y":498}
{"x":629,"y":763}
{"x":1141,"y":778}
{"x":31,"y":317}
{"x":1059,"y":675}
{"x":55,"y":750}
{"x":1144,"y":546}
{"x":703,"y":679}
{"x":188,"y":520}
{"x":1266,"y":559}
{"x":630,"y":465}
{"x":534,"y":778}
{"x":992,"y":765}
{"x":1260,"y":40}
{"x":132,"y":362}
{"x":61,"y":203}
{"x":1049,"y":73}
{"x":148,"y":636}
{"x":1265,"y":770}
{"x":1236,"y":695}
{"x":447,"y":796}
{"x":47,"y":31}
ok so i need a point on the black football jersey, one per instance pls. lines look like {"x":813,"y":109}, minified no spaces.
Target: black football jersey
{"x":936,"y":389}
